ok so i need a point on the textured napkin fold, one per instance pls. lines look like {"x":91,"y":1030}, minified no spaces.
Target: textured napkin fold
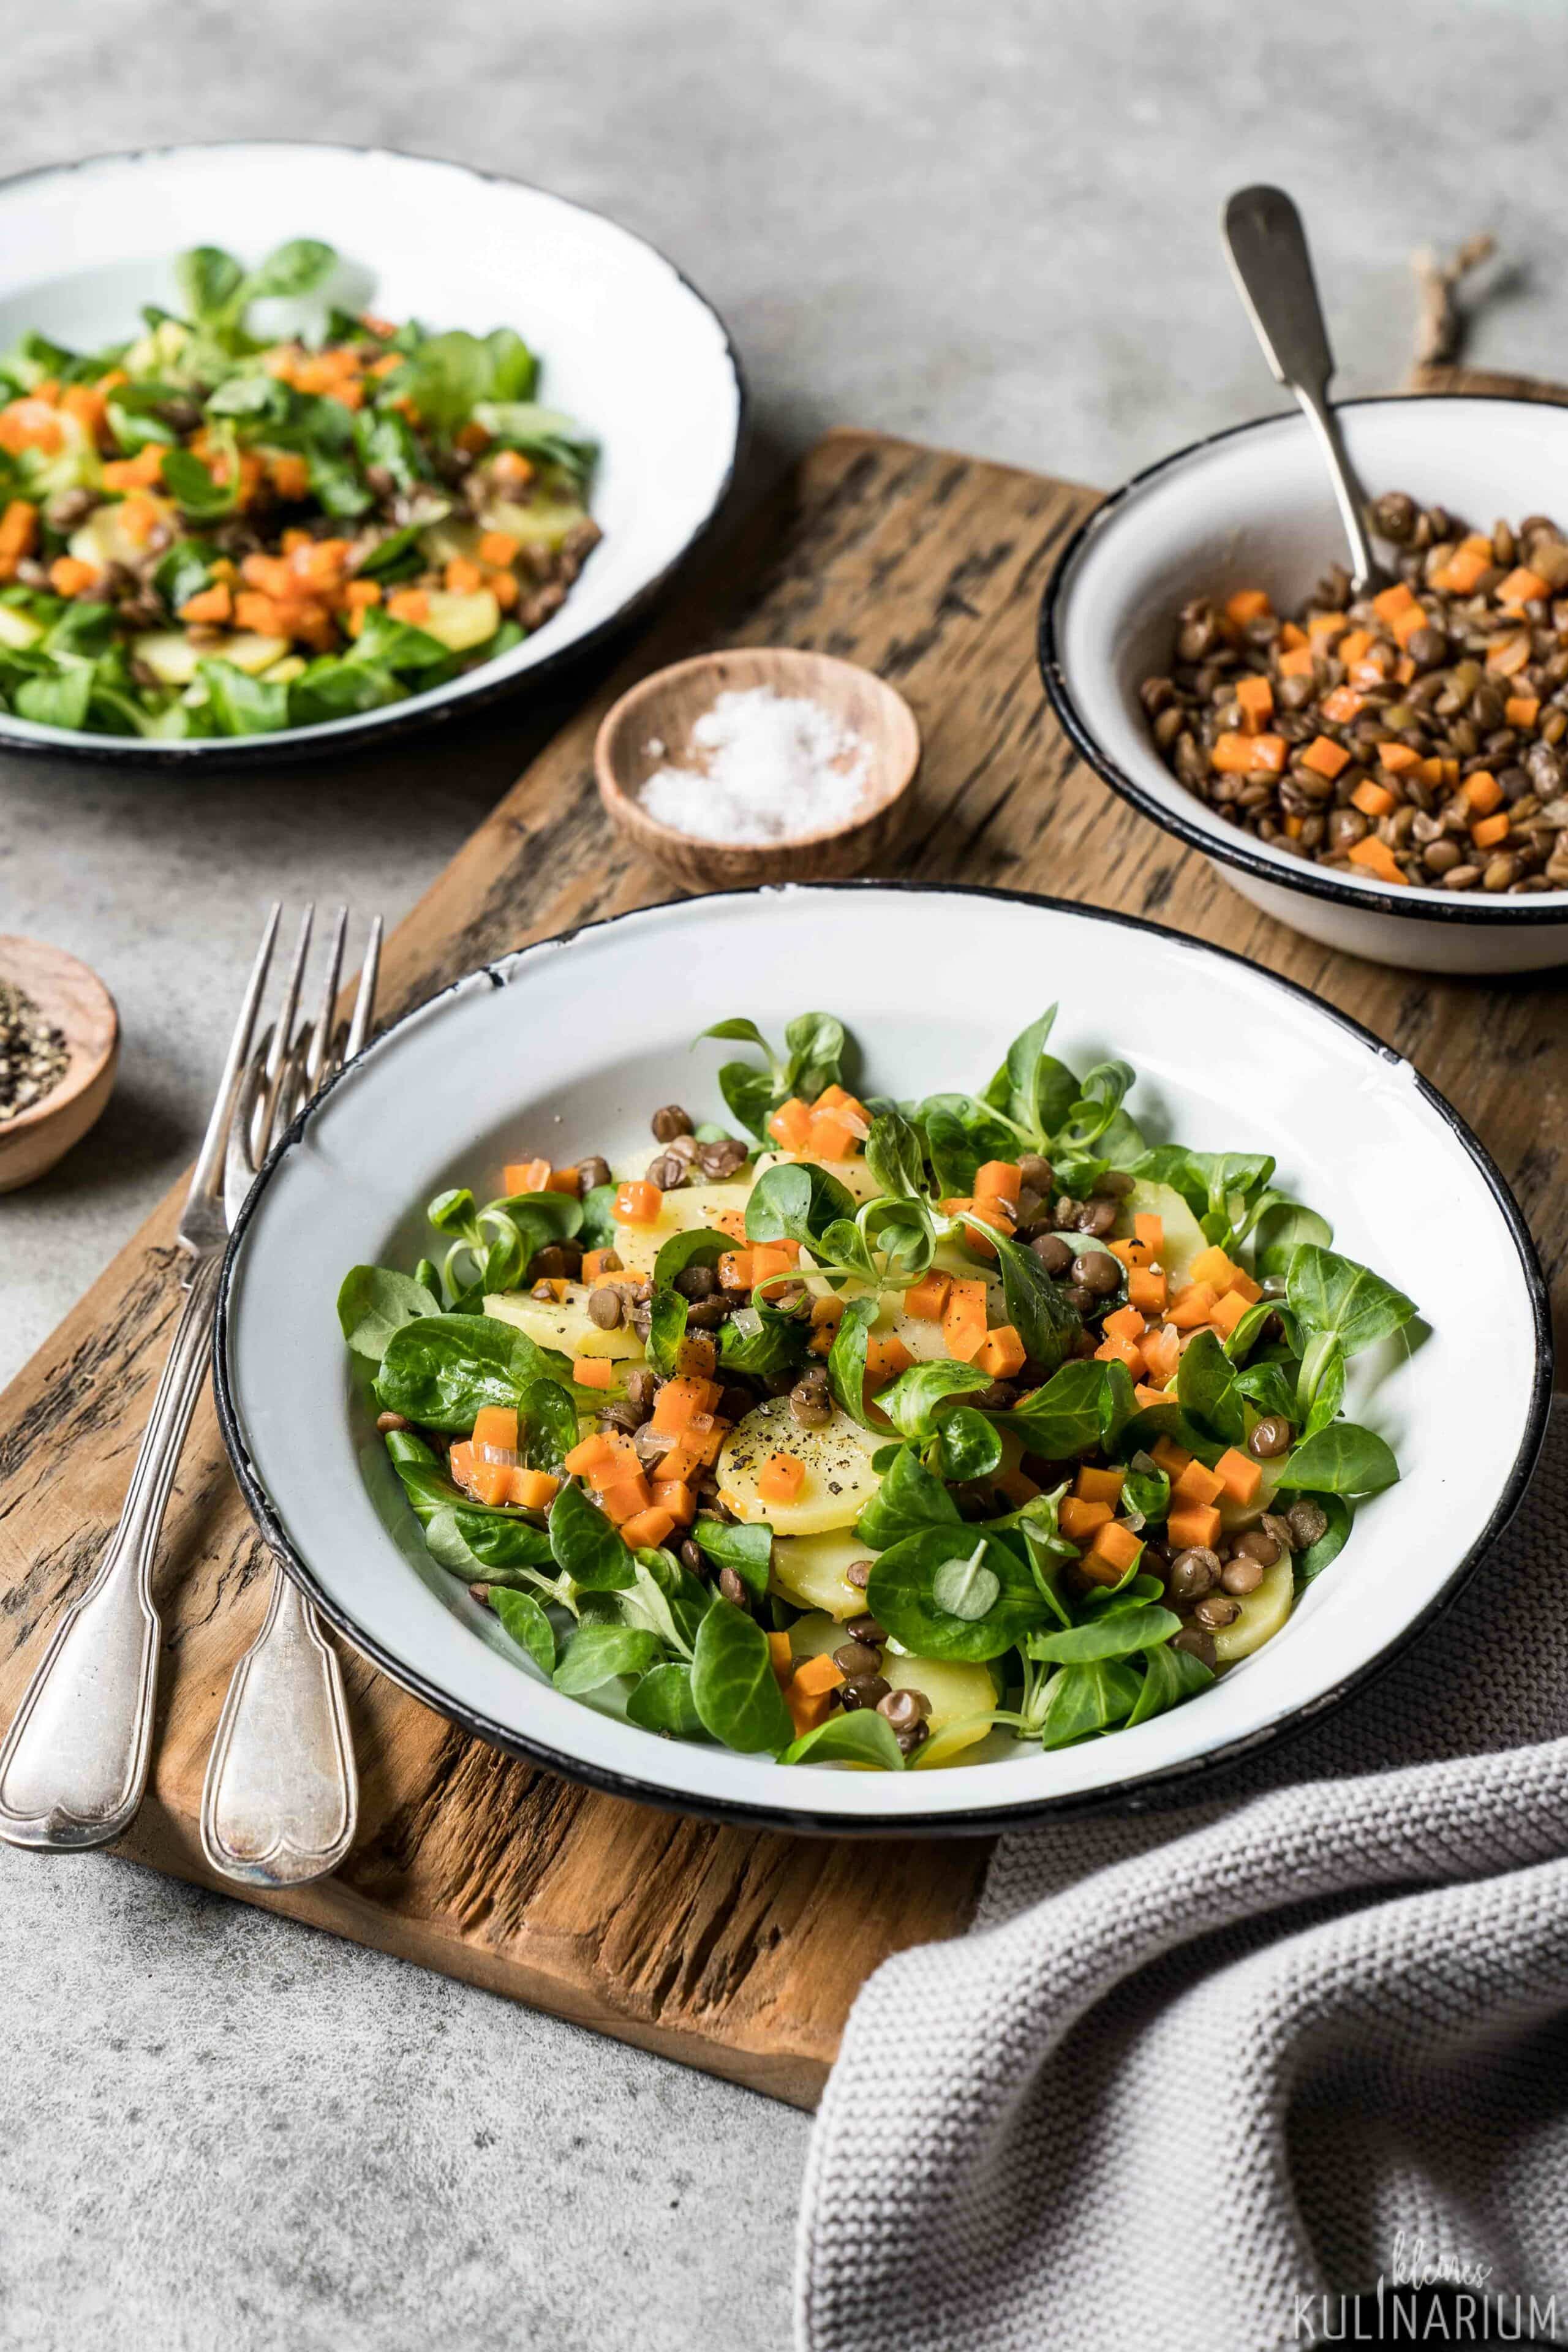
{"x":1196,"y":2074}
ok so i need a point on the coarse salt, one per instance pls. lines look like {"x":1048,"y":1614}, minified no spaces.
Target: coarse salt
{"x":776,"y":768}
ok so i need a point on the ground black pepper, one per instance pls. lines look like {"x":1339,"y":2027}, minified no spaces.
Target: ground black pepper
{"x":33,"y":1052}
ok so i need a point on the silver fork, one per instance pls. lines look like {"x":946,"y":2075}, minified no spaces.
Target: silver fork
{"x":73,"y":1765}
{"x":281,"y":1800}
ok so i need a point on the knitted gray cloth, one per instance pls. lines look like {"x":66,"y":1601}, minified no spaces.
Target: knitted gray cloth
{"x":1192,"y":2072}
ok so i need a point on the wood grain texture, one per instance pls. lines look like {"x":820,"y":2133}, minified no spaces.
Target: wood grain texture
{"x":735,"y":1951}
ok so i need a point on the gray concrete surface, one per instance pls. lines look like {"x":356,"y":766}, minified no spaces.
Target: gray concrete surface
{"x":993,"y":227}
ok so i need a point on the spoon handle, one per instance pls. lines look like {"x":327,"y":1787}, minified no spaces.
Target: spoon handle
{"x":1266,"y":248}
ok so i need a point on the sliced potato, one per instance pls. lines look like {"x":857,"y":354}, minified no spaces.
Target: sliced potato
{"x":168,"y":654}
{"x":959,"y":1694}
{"x":453,"y":538}
{"x":103,"y":538}
{"x":545,"y":523}
{"x":810,"y":1571}
{"x":563,"y":1324}
{"x":249,"y":651}
{"x":1184,"y":1234}
{"x":461,"y":622}
{"x":1263,"y":1613}
{"x":284,"y":672}
{"x":692,"y":1206}
{"x":839,"y":1480}
{"x":18,"y":629}
{"x":853,"y":1174}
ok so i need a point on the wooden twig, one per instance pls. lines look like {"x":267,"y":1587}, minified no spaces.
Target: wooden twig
{"x":1440,"y":324}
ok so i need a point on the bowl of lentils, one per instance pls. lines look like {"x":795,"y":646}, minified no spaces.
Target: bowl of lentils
{"x":1387,"y":772}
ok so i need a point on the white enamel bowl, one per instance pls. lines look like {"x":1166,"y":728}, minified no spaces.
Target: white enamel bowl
{"x":627,"y":347}
{"x":1252,"y":507}
{"x":582,"y":1037}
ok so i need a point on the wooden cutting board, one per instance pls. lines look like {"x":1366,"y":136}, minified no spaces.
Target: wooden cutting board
{"x":735,"y":1951}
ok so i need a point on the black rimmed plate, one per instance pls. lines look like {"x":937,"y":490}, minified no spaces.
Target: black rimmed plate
{"x":579,"y":1038}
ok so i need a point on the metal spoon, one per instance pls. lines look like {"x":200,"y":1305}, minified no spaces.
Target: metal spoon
{"x":1266,"y":248}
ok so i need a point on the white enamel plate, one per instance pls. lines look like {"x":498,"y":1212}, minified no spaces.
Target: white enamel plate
{"x":573,"y":1043}
{"x":628,"y":348}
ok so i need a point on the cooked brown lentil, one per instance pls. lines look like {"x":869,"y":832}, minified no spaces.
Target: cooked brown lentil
{"x":1418,"y":735}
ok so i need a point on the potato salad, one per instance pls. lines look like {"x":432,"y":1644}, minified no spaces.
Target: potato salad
{"x":882,"y":1433}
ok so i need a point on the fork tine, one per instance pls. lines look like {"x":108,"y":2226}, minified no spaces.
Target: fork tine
{"x":318,"y":1061}
{"x":364,"y":1003}
{"x":279,"y":1061}
{"x":209,"y":1162}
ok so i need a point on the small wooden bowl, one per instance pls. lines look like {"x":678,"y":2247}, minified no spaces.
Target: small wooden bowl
{"x":78,"y":1003}
{"x":666,"y":707}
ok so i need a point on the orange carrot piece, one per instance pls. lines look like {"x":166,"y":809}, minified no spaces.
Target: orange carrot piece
{"x":68,"y":575}
{"x":1482,"y":791}
{"x":1078,"y":1519}
{"x":593,"y":1371}
{"x":1191,"y":1306}
{"x":1522,"y":586}
{"x":1172,"y":1458}
{"x":926,"y":1299}
{"x":886,"y":1358}
{"x":1198,"y":1483}
{"x":1148,"y":1291}
{"x":674,"y":1496}
{"x":1521,"y":710}
{"x":964,"y":1320}
{"x":1397,"y":757}
{"x":1248,"y":604}
{"x":1377,"y":858}
{"x":592,"y":1453}
{"x":1326,"y":757}
{"x":1114,"y":1548}
{"x":1256,"y":699}
{"x":1099,"y":1485}
{"x":499,"y":548}
{"x":637,"y":1203}
{"x":1490,"y":830}
{"x":1125,"y":1324}
{"x":790,"y":1125}
{"x":1297,"y":662}
{"x":779,"y":1657}
{"x":1228,"y":1312}
{"x":1161,"y":1353}
{"x":1150,"y":1230}
{"x":1122,"y":1351}
{"x":1240,"y":1475}
{"x":536,"y":1490}
{"x":526,"y":1176}
{"x":648,"y":1529}
{"x":999,"y":1180}
{"x":1193,"y":1525}
{"x":1392,"y":601}
{"x":496,"y":1424}
{"x":1002,"y":1354}
{"x":781,"y":1478}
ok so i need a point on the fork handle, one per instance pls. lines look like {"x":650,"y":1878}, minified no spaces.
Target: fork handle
{"x":73,"y":1765}
{"x":281,"y":1796}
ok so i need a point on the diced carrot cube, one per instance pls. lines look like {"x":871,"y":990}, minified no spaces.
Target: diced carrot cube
{"x":1150,"y":1230}
{"x":1373,"y":800}
{"x":1132,"y":1254}
{"x":490,"y":1482}
{"x":1256,"y":698}
{"x":461,"y":1462}
{"x":819,"y":1673}
{"x":564,"y":1179}
{"x":1078,"y":1519}
{"x":1145,"y":1395}
{"x":1198,"y":1483}
{"x":732,"y":1222}
{"x":534,"y":1489}
{"x":1326,"y":757}
{"x":771,"y":1259}
{"x":1297,"y":662}
{"x":1522,"y":586}
{"x":1354,"y":645}
{"x":779,"y":1657}
{"x":1392,"y":601}
{"x":1522,"y":709}
{"x":1342,"y":705}
{"x":526,"y":1176}
{"x":1291,"y":637}
{"x":626,"y":1499}
{"x":1172,"y":1458}
{"x":1148,"y":1291}
{"x":1213,"y":1267}
{"x":1324,"y":624}
{"x":593,"y":1371}
{"x":648,"y":1529}
{"x":826,"y":1314}
{"x":685,"y":1458}
{"x":1242,"y":1285}
{"x":886,"y":1358}
{"x":1490,"y":830}
{"x":1482,"y":791}
{"x":1161,"y":1353}
{"x":964,"y":1320}
{"x":698,"y":1354}
{"x":1125,"y":1324}
{"x":1397,"y":757}
{"x":591,"y":1453}
{"x":674,"y":1496}
{"x":682,"y":1402}
{"x":781,"y":1478}
{"x":1122,"y":1351}
{"x":1114,"y":1548}
{"x":1003,"y":1354}
{"x":1404,"y":626}
{"x":1093,"y":1485}
{"x":737,"y":1269}
{"x":1240,"y":1475}
{"x":999,"y":1180}
{"x":496,"y":1424}
{"x":828,"y":1137}
{"x":1228,"y":1312}
{"x":637,"y":1203}
{"x":1248,"y":604}
{"x":790,"y":1125}
{"x":1377,"y":858}
{"x":596,"y":1262}
{"x":926,"y":1299}
{"x":410,"y":605}
{"x":1194,"y":1523}
{"x":806,"y":1708}
{"x":1191,"y":1306}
